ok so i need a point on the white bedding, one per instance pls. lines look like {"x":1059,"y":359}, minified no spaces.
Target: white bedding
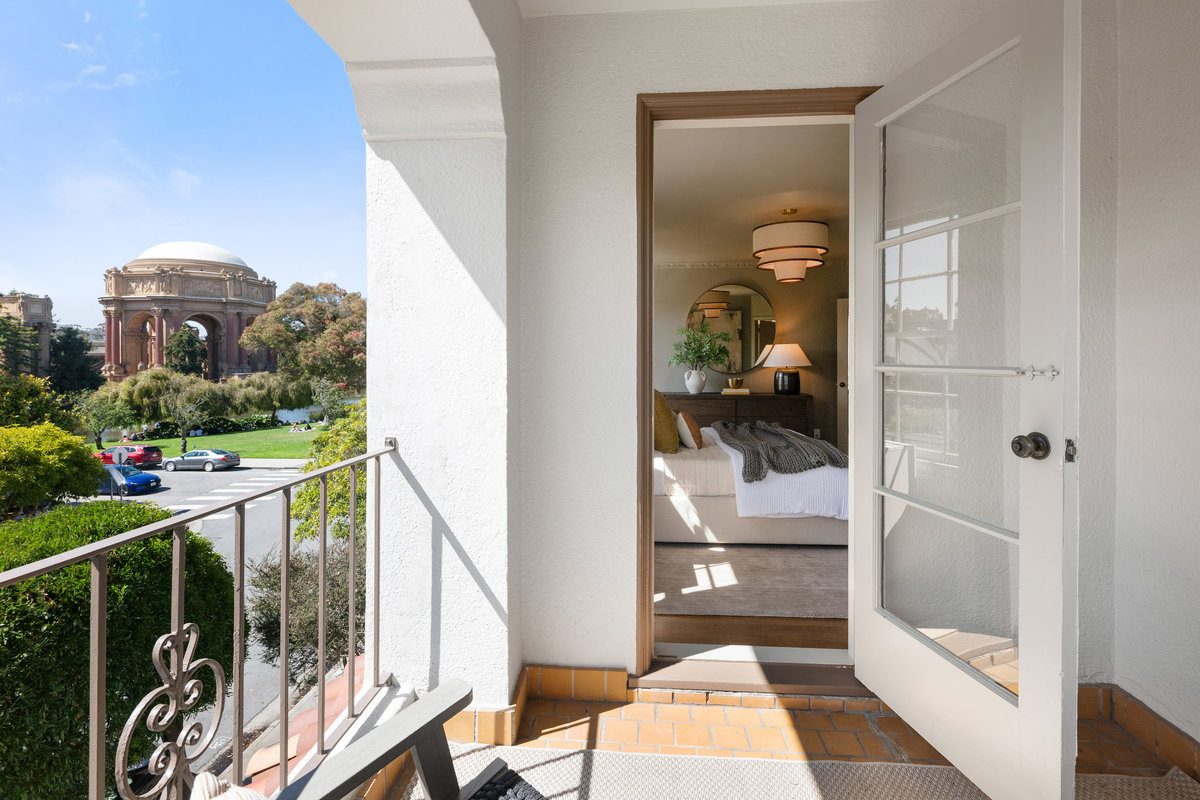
{"x":706,"y":472}
{"x":710,"y":471}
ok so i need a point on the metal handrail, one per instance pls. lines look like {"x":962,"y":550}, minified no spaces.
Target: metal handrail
{"x":86,"y":552}
{"x":173,"y":652}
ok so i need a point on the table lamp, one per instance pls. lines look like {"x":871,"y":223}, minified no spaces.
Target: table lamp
{"x":786,"y":358}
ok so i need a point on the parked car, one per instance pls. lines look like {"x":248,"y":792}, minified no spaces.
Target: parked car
{"x":125,"y":479}
{"x":207,"y":460}
{"x":143,"y":455}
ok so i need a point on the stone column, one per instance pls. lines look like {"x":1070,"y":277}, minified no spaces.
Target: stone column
{"x":119,"y":347}
{"x":158,"y":359}
{"x":243,"y":356}
{"x":110,"y":338}
{"x":231,"y":336}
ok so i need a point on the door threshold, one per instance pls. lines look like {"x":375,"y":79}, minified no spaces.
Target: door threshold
{"x":755,"y":653}
{"x":751,"y":676}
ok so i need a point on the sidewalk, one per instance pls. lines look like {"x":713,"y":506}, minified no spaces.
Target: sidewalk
{"x":273,"y":463}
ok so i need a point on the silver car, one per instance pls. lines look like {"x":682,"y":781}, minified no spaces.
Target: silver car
{"x":207,"y":460}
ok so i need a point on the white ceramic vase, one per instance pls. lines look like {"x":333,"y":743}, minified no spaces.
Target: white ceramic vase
{"x":694,"y":380}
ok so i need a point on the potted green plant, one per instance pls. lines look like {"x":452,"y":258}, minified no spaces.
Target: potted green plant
{"x":699,"y":347}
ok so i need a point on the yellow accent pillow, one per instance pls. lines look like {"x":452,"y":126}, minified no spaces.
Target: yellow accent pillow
{"x":666,"y":437}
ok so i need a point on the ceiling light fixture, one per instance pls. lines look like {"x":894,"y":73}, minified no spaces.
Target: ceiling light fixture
{"x":790,"y":248}
{"x":712,"y":303}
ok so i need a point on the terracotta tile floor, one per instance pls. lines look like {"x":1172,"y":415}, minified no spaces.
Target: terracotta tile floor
{"x":756,"y":726}
{"x":1105,"y":746}
{"x":761,"y":726}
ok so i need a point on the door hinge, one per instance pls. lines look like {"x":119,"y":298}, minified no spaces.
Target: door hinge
{"x":1070,"y":451}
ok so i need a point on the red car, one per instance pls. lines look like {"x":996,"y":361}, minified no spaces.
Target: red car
{"x":142,"y":455}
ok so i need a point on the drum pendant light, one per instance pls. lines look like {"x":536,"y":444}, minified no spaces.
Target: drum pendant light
{"x":790,"y":248}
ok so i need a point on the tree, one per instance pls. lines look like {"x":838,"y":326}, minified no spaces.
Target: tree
{"x":71,"y":368}
{"x":266,"y":393}
{"x":100,"y":411}
{"x":330,"y":397}
{"x":303,"y":606}
{"x":28,"y":400}
{"x":316,"y":332}
{"x":158,"y":394}
{"x":43,"y":464}
{"x":44,"y":640}
{"x":346,"y":438}
{"x":18,"y":346}
{"x":185,"y":353}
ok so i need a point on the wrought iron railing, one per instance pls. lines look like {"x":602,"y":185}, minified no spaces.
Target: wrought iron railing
{"x":175,"y":653}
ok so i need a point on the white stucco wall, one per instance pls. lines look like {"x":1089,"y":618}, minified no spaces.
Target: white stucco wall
{"x":1158,"y":372}
{"x":1097,"y":313}
{"x":579,"y":265}
{"x":442,"y":231}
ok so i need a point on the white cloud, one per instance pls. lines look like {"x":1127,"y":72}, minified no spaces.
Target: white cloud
{"x":92,"y":69}
{"x":126,"y":79}
{"x":90,"y":193}
{"x":182,"y":182}
{"x":71,"y":46}
{"x":88,"y":17}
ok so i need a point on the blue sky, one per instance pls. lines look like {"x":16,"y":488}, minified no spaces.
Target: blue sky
{"x":126,"y":123}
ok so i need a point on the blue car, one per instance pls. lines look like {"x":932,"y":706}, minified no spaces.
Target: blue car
{"x":125,"y":479}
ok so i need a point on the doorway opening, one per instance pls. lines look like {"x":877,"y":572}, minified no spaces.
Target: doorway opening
{"x":720,"y":578}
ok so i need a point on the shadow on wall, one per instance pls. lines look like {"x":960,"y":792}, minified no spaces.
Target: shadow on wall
{"x":440,"y":532}
{"x":464,"y":217}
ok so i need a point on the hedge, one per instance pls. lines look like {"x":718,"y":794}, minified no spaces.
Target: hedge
{"x":44,"y":464}
{"x":44,"y":639}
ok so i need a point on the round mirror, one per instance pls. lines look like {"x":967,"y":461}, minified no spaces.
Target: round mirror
{"x":741,"y":312}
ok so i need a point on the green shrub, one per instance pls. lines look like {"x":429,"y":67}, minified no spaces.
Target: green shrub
{"x":303,"y":605}
{"x":29,"y":400}
{"x":44,"y":642}
{"x":346,"y":438}
{"x":44,"y":464}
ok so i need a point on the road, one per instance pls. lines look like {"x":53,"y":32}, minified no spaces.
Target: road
{"x":187,"y":490}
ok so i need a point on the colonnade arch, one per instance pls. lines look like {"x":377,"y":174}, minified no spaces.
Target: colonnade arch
{"x":150,"y":298}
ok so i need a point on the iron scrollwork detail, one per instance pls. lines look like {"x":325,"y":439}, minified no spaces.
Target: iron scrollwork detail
{"x":161,"y":708}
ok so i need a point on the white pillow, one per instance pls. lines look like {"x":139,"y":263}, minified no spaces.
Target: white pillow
{"x":689,"y":431}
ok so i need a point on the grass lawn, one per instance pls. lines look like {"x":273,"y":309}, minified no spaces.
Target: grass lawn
{"x":268,"y":443}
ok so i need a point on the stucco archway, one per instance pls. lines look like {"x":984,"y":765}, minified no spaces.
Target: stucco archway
{"x":147,"y":300}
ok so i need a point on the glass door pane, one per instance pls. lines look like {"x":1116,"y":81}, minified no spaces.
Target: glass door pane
{"x":951,"y":277}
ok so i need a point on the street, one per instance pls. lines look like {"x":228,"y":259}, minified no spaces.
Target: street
{"x":187,"y":490}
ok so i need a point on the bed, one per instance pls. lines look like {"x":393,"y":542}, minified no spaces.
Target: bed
{"x":697,"y":500}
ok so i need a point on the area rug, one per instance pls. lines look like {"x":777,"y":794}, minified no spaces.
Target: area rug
{"x":750,"y":580}
{"x":598,"y":775}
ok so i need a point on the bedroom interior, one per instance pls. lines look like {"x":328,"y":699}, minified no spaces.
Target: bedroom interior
{"x":751,"y":222}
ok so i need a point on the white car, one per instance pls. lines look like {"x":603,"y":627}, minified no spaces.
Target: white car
{"x":207,"y":460}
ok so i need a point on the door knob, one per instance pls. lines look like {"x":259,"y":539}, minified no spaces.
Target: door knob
{"x":842,"y":385}
{"x":1035,"y":446}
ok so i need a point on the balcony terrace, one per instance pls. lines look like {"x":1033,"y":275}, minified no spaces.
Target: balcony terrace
{"x":578,"y":733}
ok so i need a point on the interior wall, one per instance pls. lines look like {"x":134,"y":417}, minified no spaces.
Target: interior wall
{"x":579,"y":264}
{"x":1097,"y":313}
{"x":1158,"y":374}
{"x":805,"y":313}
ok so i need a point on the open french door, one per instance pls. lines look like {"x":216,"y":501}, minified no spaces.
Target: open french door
{"x":964,"y":370}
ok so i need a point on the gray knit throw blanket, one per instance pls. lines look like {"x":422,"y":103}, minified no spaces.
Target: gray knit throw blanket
{"x":769,"y":445}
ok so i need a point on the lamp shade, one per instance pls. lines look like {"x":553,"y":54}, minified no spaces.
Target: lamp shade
{"x":792,"y":234}
{"x":712,"y":303}
{"x":787,"y":355}
{"x":812,"y":255}
{"x":791,"y":271}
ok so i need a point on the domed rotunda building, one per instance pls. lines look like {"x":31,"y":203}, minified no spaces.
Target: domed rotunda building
{"x":150,"y":298}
